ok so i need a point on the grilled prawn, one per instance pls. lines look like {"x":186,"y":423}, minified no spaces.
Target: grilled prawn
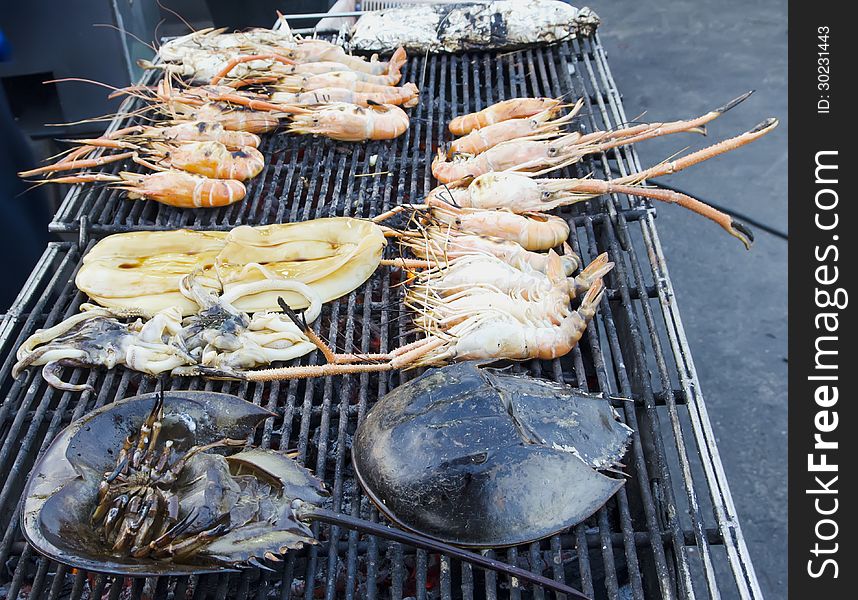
{"x":438,"y":245}
{"x":338,"y":79}
{"x":516,"y":108}
{"x":519,"y":193}
{"x":542,"y":123}
{"x":445,"y":297}
{"x":171,"y":187}
{"x":312,"y":51}
{"x":405,"y":95}
{"x":351,"y":123}
{"x":391,"y":77}
{"x":209,"y":159}
{"x":486,"y":272}
{"x":537,"y":155}
{"x":532,"y":231}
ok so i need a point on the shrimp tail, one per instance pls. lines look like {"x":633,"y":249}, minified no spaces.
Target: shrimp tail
{"x":413,"y":94}
{"x":591,"y":301}
{"x":396,"y":62}
{"x":592,"y":275}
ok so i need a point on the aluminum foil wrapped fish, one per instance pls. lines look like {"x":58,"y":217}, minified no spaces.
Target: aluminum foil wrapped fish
{"x":464,"y":27}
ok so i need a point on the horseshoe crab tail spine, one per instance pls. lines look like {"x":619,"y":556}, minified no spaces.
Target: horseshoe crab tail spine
{"x":311,"y":513}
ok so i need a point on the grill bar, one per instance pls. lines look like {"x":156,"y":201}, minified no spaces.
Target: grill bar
{"x":722,"y":500}
{"x":670,"y":532}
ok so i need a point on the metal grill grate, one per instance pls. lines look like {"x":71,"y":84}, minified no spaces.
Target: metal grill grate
{"x":670,"y":532}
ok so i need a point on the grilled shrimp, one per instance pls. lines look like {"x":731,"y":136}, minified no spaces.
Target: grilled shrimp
{"x":213,"y":159}
{"x":530,"y":298}
{"x":250,"y":121}
{"x":515,"y":155}
{"x":351,"y":123}
{"x":537,"y":155}
{"x":443,"y":244}
{"x":480,"y":140}
{"x":480,"y":286}
{"x":212,"y":67}
{"x":405,"y":96}
{"x":142,"y":140}
{"x":197,"y":131}
{"x":177,"y":188}
{"x":234,"y":110}
{"x":516,"y":108}
{"x":319,"y":68}
{"x":520,"y":193}
{"x":339,"y":79}
{"x":533,"y":231}
{"x":211,"y":41}
{"x":310,"y":51}
{"x":497,"y":336}
{"x":462,"y":273}
{"x":233,"y":98}
{"x":202,"y":55}
{"x":209,"y":159}
{"x":171,"y":187}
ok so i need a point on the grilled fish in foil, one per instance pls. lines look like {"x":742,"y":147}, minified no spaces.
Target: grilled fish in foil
{"x":471,"y":26}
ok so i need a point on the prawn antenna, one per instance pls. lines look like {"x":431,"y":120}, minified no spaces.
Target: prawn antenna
{"x":128,"y":33}
{"x":175,"y":14}
{"x":83,"y":80}
{"x":157,"y":27}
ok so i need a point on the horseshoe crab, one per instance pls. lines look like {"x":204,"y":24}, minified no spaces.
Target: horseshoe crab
{"x":139,"y":487}
{"x":133,"y":488}
{"x":482,"y":458}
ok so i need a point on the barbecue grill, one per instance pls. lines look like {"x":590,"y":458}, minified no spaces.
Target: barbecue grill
{"x":671,"y":532}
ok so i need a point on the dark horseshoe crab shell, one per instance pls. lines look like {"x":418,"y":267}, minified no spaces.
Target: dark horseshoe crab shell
{"x":61,"y":491}
{"x":481,"y":458}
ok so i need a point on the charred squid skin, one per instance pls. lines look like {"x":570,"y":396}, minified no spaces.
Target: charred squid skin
{"x":219,"y":336}
{"x":50,"y":373}
{"x":43,"y":336}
